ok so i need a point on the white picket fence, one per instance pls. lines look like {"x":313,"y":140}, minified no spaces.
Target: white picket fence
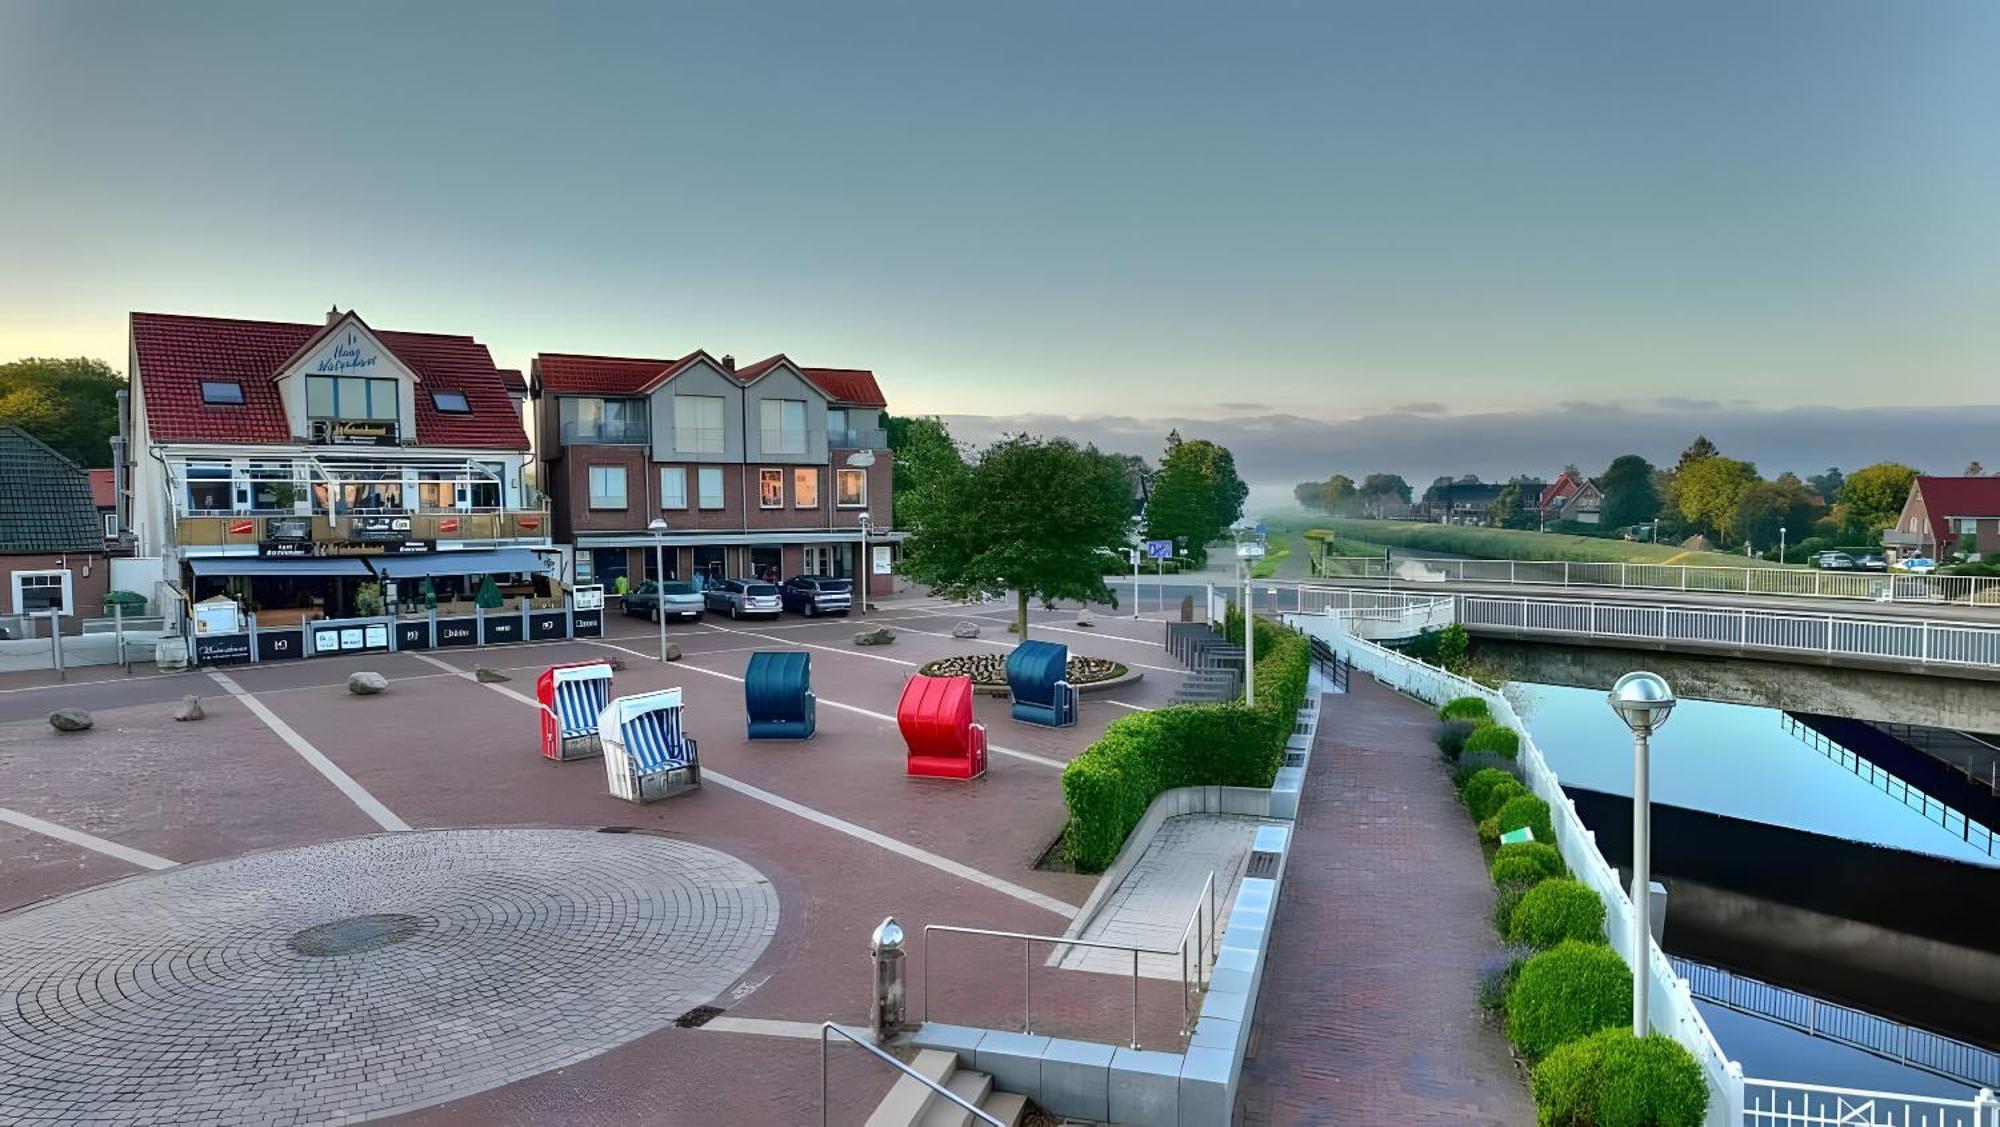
{"x":1778,"y":1103}
{"x":1811,"y":583}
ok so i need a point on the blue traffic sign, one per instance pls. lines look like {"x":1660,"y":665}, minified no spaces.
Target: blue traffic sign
{"x":1159,"y":549}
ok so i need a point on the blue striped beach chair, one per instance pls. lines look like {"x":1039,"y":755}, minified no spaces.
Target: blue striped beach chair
{"x":572,"y":697}
{"x":647,"y":752}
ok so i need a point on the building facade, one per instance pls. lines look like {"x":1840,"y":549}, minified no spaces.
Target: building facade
{"x":769,"y":470}
{"x":1944,"y":517}
{"x":279,"y":462}
{"x":52,"y":558}
{"x":1572,"y":497}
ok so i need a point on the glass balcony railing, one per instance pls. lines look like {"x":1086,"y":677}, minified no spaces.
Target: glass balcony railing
{"x":863,"y":438}
{"x":606,"y":431}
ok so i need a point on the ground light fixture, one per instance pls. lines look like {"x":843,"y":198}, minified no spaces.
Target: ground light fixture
{"x":859,"y":603}
{"x":1643,"y":701}
{"x":658,"y":527}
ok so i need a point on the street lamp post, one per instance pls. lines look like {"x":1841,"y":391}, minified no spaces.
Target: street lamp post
{"x":1781,"y":544}
{"x":1247,"y":553}
{"x":658,"y":528}
{"x":1642,"y":700}
{"x":861,"y":570}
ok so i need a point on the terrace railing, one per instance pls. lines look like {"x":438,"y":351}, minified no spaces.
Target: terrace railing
{"x":1951,"y":819}
{"x":1781,"y":1103}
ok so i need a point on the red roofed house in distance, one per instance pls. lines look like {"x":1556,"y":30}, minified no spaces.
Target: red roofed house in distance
{"x":292,"y":466}
{"x":759,"y":471}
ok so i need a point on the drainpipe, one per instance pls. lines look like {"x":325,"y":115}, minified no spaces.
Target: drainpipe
{"x":120,"y":447}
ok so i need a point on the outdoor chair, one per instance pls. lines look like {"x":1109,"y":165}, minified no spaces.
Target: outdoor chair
{"x":935,"y":716}
{"x":1037,"y":680}
{"x":778,"y":696}
{"x":572,"y":696}
{"x":647,"y":753}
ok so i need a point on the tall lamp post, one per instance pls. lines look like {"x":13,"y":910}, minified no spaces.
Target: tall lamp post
{"x":1781,"y":545}
{"x":1247,"y":553}
{"x":862,"y":569}
{"x":1642,"y":700}
{"x":658,"y":527}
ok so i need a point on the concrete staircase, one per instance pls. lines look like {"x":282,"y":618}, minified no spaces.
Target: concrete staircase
{"x":911,"y":1104}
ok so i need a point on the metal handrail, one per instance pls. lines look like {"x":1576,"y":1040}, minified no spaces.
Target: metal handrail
{"x":936,"y":1088}
{"x":1206,"y":939}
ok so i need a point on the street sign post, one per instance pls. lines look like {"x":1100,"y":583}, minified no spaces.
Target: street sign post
{"x":1159,"y":550}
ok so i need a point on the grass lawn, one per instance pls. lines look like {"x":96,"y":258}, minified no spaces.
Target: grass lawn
{"x":1514,"y":544}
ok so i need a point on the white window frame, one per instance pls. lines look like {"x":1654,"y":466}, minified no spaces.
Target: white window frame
{"x":765,"y":474}
{"x":779,"y":438}
{"x":602,"y":499}
{"x":807,"y":498}
{"x":110,"y":525}
{"x":702,"y":476}
{"x":840,"y":475}
{"x":68,"y":585}
{"x":1968,"y":526}
{"x":673,"y":487}
{"x":714,"y":438}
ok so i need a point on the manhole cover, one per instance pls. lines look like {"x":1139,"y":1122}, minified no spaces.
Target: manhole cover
{"x":698,"y":1017}
{"x":355,"y":934}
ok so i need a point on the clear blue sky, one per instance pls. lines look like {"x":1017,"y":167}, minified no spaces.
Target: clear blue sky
{"x":1319,"y":210}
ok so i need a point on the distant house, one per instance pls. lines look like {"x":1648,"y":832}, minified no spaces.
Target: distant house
{"x":104,"y":494}
{"x":1942,"y":513}
{"x":51,"y":538}
{"x":1461,"y":503}
{"x":1572,"y":497}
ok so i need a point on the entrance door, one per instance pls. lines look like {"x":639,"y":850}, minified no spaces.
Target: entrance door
{"x":765,"y":563}
{"x":819,"y":559}
{"x":708,"y":562}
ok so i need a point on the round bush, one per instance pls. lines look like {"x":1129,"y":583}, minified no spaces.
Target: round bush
{"x":1494,"y":740}
{"x":1500,"y":794}
{"x":1466,"y":708}
{"x":1569,"y":991}
{"x":1474,"y":789}
{"x":1528,"y":860}
{"x":1462,"y":775}
{"x":1613,"y":1079}
{"x":1452,"y":735}
{"x":1556,"y":911}
{"x":1527,"y":810}
{"x":1489,"y":830}
{"x":1509,"y":898}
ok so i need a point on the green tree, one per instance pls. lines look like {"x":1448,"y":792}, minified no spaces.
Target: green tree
{"x":1196,"y":494}
{"x":920,"y":445}
{"x":1872,"y":498}
{"x":1767,"y":506}
{"x":1698,"y":450}
{"x":1629,"y":497}
{"x":1708,"y":491}
{"x":1307,"y":494}
{"x":1509,"y":508}
{"x":1337,"y":495}
{"x":70,"y":404}
{"x":1377,"y":488}
{"x":1827,"y":484}
{"x":1032,"y":515}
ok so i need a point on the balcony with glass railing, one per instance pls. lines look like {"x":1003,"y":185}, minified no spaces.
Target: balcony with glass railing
{"x":333,"y":502}
{"x":608,"y":431}
{"x":857,"y":438}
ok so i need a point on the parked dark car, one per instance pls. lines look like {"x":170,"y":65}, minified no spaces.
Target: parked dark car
{"x":1872,"y":562}
{"x":814,"y":595}
{"x":679,"y":599}
{"x":739,"y":598}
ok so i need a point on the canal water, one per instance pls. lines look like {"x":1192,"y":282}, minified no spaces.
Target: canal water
{"x":1743,"y":763}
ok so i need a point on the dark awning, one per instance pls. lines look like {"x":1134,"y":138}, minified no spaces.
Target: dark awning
{"x":495,"y":561}
{"x":345,"y":566}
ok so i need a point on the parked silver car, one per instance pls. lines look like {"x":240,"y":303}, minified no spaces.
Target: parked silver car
{"x":675,"y":599}
{"x":740,"y":598}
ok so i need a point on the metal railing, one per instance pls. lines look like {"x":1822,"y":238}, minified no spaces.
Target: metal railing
{"x":1952,"y":820}
{"x":1813,"y":583}
{"x":937,"y":1089}
{"x":1891,"y":1040}
{"x":1205,"y":940}
{"x":1784,"y":1103}
{"x":1926,"y":641}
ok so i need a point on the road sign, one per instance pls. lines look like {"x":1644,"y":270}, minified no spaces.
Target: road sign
{"x":1159,"y":549}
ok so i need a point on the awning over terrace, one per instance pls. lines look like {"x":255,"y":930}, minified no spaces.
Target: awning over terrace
{"x":344,"y":567}
{"x":498,"y":561}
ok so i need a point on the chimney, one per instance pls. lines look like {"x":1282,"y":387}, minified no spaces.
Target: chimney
{"x":332,"y":314}
{"x":729,"y":363}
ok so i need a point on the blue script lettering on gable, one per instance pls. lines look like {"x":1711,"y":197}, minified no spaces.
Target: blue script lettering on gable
{"x":345,"y":357}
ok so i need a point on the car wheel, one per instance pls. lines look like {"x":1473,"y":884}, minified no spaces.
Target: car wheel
{"x":735,"y":611}
{"x":655,"y":615}
{"x":810,"y":609}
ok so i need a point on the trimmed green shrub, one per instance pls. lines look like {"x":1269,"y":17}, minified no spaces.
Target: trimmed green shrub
{"x":1462,"y":775}
{"x":1466,"y":708}
{"x":1527,"y":860}
{"x":1451,"y":738}
{"x":1108,"y":787}
{"x":1509,"y":899}
{"x":1569,"y":991}
{"x":1489,"y":830}
{"x":1498,"y":795}
{"x":1613,"y":1079}
{"x":1527,"y":810}
{"x":1556,"y":911}
{"x":1494,"y":739}
{"x":1474,"y":782}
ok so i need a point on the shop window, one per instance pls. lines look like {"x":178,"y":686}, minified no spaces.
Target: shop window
{"x":607,"y":487}
{"x":805,"y":487}
{"x":451,"y":402}
{"x":208,"y":488}
{"x":708,"y":479}
{"x":222,"y":393}
{"x":851,"y":489}
{"x":673,"y":487}
{"x":770,"y":489}
{"x":39,"y":592}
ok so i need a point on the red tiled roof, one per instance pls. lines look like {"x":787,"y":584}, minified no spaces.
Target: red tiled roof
{"x":751,"y":371}
{"x":103,"y":488}
{"x":176,"y":353}
{"x":1947,"y":497}
{"x":625,"y":375}
{"x":848,"y":385}
{"x":513,"y":378}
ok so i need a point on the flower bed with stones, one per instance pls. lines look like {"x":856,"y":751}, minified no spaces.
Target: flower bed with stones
{"x":989,"y":671}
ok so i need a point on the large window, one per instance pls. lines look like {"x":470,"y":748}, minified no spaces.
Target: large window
{"x":271,"y":488}
{"x":783,"y":425}
{"x":770,"y":489}
{"x":208,"y":488}
{"x":437,"y":490}
{"x":39,"y":592}
{"x":851,"y":490}
{"x":708,"y":479}
{"x":587,"y":420}
{"x":673,"y":487}
{"x":351,"y":397}
{"x":607,"y":487}
{"x":805,"y":487}
{"x":486,"y":485}
{"x":698,"y":424}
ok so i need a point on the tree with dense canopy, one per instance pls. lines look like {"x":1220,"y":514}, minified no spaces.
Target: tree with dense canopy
{"x":1196,"y":495}
{"x":1827,"y":484}
{"x":1870,"y":500}
{"x":1708,"y":490}
{"x":1377,"y":488}
{"x":72,"y":405}
{"x":1768,"y":506}
{"x":1629,"y":496}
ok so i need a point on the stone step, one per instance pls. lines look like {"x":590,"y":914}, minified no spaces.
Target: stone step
{"x":907,"y":1099}
{"x":1008,"y":1107}
{"x":972,"y":1087}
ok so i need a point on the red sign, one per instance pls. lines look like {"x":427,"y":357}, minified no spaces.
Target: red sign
{"x":447,"y":525}
{"x":529,"y":524}
{"x":242,"y":527}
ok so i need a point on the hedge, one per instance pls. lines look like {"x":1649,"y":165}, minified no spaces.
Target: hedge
{"x":1466,"y":708}
{"x":1569,"y":991}
{"x":1509,"y":898}
{"x":1108,"y":787}
{"x":1498,"y":795}
{"x":1493,"y":739}
{"x":1613,"y":1079}
{"x":1451,"y":737}
{"x":1527,"y":810}
{"x":1526,"y":860}
{"x":1556,"y":911}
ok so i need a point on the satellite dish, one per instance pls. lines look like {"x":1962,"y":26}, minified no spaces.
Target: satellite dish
{"x":861,"y":458}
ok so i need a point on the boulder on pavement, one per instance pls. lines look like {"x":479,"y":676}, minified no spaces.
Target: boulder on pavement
{"x":189,"y":708}
{"x":1083,"y":619}
{"x":673,"y":651}
{"x":486,"y":676}
{"x":70,"y":720}
{"x":618,"y":664}
{"x":880,"y":636}
{"x":366,"y":684}
{"x":965,"y":630}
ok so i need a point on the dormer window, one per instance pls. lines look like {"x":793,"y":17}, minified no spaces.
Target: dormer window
{"x":451,"y":402}
{"x":222,"y":393}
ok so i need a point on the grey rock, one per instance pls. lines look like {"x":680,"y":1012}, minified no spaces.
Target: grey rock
{"x":673,"y":651}
{"x":617,"y":664}
{"x":1083,"y":619}
{"x":70,"y":720}
{"x":189,"y":708}
{"x":366,"y":684}
{"x":879,"y":636}
{"x":487,"y":676}
{"x":965,"y":630}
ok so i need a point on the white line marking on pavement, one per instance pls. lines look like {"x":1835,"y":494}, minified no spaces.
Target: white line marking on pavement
{"x":354,"y":791}
{"x":468,"y":675}
{"x":810,"y":645}
{"x":772,"y":1027}
{"x":91,"y":842}
{"x":1122,"y":704}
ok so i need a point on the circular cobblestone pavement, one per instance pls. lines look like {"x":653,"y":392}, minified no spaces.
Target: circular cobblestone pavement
{"x":361,"y":977}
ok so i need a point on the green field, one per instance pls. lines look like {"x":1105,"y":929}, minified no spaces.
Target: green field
{"x":1513,"y":544}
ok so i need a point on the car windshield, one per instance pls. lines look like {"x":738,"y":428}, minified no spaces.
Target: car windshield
{"x":677,"y":588}
{"x":759,"y":589}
